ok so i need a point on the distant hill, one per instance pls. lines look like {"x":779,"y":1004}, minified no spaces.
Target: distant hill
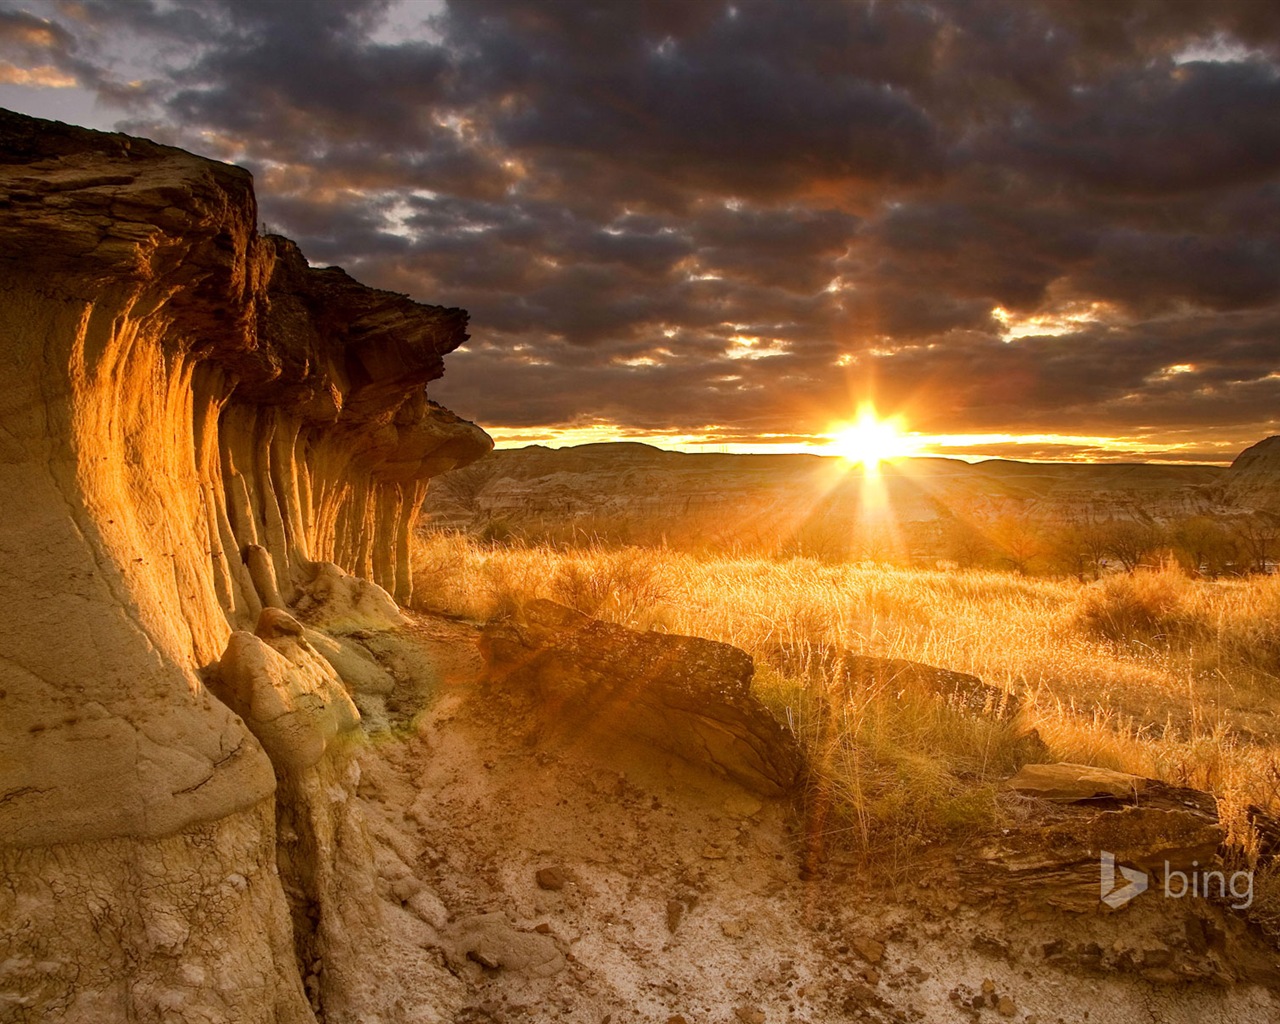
{"x":632,"y":491}
{"x":1253,"y":480}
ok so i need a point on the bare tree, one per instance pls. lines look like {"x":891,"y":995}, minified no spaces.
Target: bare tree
{"x":1258,"y":534}
{"x":965,"y":544}
{"x":1203,"y":545}
{"x":1019,"y":542}
{"x":1131,"y":542}
{"x":1072,"y":551}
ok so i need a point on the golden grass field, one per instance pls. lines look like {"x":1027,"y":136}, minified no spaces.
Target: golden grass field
{"x":1153,"y":672}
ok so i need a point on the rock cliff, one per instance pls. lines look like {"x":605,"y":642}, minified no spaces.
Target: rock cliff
{"x":196,"y":426}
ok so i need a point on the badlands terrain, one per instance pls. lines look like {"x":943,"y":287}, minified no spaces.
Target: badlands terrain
{"x":805,"y":503}
{"x":246,"y":776}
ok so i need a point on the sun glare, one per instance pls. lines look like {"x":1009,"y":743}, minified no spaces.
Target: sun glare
{"x":871,"y":440}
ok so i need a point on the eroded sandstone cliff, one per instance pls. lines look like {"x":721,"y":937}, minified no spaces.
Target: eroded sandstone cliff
{"x":195,"y":425}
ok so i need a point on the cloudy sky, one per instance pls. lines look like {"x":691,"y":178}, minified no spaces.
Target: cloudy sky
{"x":1039,"y":229}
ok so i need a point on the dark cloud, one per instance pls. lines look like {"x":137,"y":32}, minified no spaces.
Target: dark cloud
{"x":1041,"y":217}
{"x":1201,"y":125}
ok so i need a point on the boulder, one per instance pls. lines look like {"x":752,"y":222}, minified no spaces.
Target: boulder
{"x":288,"y":695}
{"x":911,"y":680}
{"x":338,"y":602}
{"x":358,"y":668}
{"x":686,"y":695}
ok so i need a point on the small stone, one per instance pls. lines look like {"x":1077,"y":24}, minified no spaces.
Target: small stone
{"x":711,"y":852}
{"x":733,"y":929}
{"x":988,"y":987}
{"x":1157,"y":956}
{"x":870,"y":975}
{"x":749,"y":1015}
{"x":483,"y":959}
{"x":675,"y":914}
{"x":551,"y":878}
{"x":542,"y":928}
{"x":990,"y":945}
{"x":404,"y":889}
{"x":676,"y":1018}
{"x":871,"y":950}
{"x":742,"y":805}
{"x":1006,"y":1007}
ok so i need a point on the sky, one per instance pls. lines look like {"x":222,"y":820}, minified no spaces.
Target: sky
{"x":1032,"y":229}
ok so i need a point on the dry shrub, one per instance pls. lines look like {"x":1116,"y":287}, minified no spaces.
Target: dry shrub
{"x":457,"y":576}
{"x":1133,"y":606}
{"x":1233,"y":624}
{"x":621,"y":585}
{"x":1242,"y":621}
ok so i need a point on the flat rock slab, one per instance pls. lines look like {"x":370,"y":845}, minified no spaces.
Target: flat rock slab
{"x":1072,"y":783}
{"x":686,"y":695}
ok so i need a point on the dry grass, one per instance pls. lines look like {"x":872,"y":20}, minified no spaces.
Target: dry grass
{"x":1151,"y":673}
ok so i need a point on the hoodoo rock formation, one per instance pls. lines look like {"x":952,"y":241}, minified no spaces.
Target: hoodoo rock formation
{"x":199,"y":430}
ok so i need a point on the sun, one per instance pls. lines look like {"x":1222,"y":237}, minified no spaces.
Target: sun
{"x":870,"y":440}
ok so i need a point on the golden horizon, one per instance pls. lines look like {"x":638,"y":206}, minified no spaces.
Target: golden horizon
{"x":964,"y":447}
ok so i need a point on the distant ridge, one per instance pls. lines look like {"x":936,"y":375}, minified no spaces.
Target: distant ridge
{"x":635,"y":491}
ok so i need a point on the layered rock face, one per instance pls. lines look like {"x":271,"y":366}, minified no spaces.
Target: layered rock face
{"x":197,"y":426}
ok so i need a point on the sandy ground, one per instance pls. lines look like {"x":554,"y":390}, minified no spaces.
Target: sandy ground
{"x":604,"y":885}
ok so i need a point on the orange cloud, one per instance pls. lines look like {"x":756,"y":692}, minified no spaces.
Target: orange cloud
{"x":46,"y":76}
